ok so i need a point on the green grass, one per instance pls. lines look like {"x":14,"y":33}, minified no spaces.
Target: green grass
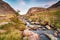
{"x":4,"y":20}
{"x":13,"y":35}
{"x":14,"y":23}
{"x":13,"y":29}
{"x":18,"y":23}
{"x":52,"y":16}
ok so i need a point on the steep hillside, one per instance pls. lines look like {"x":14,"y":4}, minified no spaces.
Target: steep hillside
{"x":57,"y":5}
{"x":35,"y":9}
{"x":6,"y":9}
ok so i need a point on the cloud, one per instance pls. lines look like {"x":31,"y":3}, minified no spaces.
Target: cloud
{"x":50,"y":3}
{"x":22,"y":2}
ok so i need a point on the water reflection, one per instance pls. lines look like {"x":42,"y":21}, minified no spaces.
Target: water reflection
{"x":44,"y":37}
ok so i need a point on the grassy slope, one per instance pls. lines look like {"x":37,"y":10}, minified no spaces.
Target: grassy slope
{"x":57,"y":22}
{"x":52,"y":16}
{"x":12,"y":29}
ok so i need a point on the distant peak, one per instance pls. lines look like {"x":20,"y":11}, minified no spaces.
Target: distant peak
{"x":36,"y":9}
{"x":56,"y":5}
{"x":6,"y":8}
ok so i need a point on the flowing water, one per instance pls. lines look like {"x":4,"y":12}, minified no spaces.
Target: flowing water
{"x":41,"y":32}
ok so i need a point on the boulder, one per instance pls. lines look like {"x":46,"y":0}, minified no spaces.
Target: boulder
{"x":53,"y":27}
{"x":31,"y":35}
{"x":27,"y":33}
{"x":56,"y":33}
{"x":35,"y":27}
{"x":44,"y":23}
{"x":51,"y":37}
{"x":48,"y":27}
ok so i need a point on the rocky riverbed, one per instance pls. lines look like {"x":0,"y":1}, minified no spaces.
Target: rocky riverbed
{"x":40,"y":32}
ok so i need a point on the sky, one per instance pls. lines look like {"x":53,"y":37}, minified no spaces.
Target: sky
{"x":24,"y":5}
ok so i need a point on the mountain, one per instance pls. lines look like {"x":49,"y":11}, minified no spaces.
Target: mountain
{"x":39,"y":9}
{"x":6,"y":8}
{"x":56,"y":5}
{"x":35,"y":9}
